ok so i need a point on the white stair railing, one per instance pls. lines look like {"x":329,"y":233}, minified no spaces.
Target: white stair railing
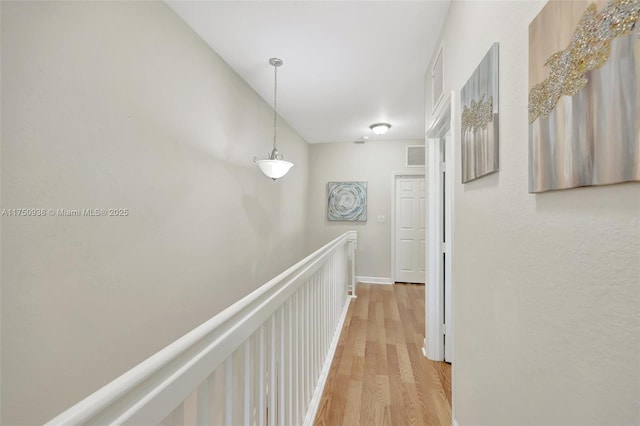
{"x":262,"y":361}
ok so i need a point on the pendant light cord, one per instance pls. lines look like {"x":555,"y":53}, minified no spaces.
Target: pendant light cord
{"x":275,"y":106}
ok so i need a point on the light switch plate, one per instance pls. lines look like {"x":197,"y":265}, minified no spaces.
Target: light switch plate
{"x":380,"y":218}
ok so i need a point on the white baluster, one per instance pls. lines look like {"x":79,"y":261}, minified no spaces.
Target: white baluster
{"x":316,"y":327}
{"x":190,"y":410}
{"x":273,"y":377}
{"x":282,"y":371}
{"x":217,"y":395}
{"x":290,"y":366}
{"x":261,"y":375}
{"x":308,"y":327}
{"x":321,"y":321}
{"x":229,"y":391}
{"x":332,"y":286}
{"x":325,"y":330}
{"x":299,"y":346}
{"x":329,"y":304}
{"x":203,"y":403}
{"x":294,"y":363}
{"x":301,"y":364}
{"x":247,"y":386}
{"x":320,"y":328}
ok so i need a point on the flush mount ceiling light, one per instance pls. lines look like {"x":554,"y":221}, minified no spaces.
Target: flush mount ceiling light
{"x":274,"y":166}
{"x":380,"y":128}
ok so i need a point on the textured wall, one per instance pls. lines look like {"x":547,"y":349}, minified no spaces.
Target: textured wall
{"x":374,"y":162}
{"x":121,"y":105}
{"x":547,"y":286}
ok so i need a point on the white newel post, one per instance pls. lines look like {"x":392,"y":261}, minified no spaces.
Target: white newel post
{"x":353,"y":246}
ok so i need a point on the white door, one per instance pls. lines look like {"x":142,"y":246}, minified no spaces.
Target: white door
{"x":410,"y":229}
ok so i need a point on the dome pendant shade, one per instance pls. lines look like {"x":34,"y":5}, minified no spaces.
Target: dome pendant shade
{"x":274,"y":169}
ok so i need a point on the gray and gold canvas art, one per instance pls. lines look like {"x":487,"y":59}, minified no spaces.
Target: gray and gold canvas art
{"x":347,"y":201}
{"x":480,"y":119}
{"x":584,"y":94}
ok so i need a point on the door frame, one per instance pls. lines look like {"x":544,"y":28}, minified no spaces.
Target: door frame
{"x":394,"y":176}
{"x":441,"y":125}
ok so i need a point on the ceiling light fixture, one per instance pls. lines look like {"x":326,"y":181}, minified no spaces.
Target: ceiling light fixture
{"x":274,"y":166}
{"x":380,"y":128}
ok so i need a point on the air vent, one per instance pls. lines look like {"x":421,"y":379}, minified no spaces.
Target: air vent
{"x":415,"y":156}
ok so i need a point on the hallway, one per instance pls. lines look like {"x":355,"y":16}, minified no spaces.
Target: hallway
{"x":379,"y":375}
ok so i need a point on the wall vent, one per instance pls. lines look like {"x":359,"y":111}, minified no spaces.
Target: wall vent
{"x":415,"y":156}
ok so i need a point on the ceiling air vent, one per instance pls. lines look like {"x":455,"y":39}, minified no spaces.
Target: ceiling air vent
{"x":415,"y":156}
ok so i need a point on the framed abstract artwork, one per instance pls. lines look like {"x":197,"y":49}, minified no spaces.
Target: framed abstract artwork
{"x":584,"y":94}
{"x":479,"y":119}
{"x":347,"y":201}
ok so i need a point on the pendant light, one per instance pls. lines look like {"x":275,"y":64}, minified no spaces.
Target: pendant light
{"x":274,"y":166}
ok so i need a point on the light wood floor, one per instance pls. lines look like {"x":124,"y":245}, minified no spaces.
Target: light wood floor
{"x":379,"y":375}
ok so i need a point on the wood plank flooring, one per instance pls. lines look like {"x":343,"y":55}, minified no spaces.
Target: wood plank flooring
{"x":379,"y":375}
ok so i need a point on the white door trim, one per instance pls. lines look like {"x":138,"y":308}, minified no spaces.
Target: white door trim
{"x":394,"y":176}
{"x":441,"y":125}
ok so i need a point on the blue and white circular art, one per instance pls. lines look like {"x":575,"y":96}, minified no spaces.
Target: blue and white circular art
{"x":347,"y":201}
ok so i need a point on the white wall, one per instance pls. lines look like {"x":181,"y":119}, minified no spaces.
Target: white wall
{"x":374,"y":162}
{"x":121,"y":105}
{"x":547,"y":286}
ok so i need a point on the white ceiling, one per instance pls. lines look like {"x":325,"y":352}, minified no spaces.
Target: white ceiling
{"x":347,"y":64}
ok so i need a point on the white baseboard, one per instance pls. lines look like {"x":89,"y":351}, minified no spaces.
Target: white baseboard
{"x":374,"y":280}
{"x":455,"y":422}
{"x":424,"y":347}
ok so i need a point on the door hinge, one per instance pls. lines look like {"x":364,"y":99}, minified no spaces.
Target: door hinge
{"x":443,"y":247}
{"x":444,"y":329}
{"x":443,"y":167}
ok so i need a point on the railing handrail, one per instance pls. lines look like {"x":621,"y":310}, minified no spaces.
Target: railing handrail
{"x":106,"y":396}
